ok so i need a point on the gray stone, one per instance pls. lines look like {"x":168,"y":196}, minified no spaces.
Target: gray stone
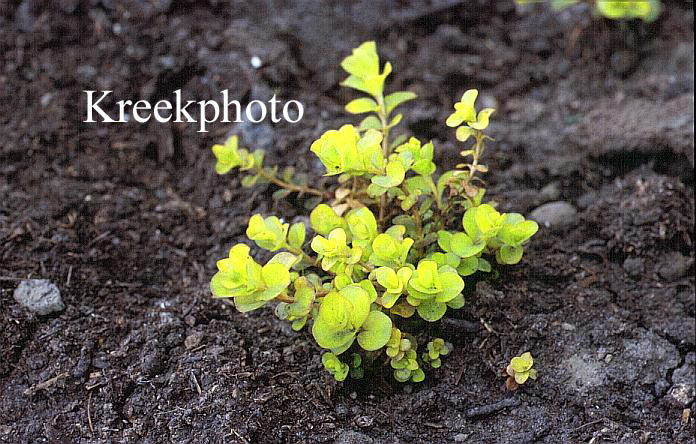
{"x":460,"y":437}
{"x":554,"y":214}
{"x":675,"y":266}
{"x":550,"y":192}
{"x":352,"y":437}
{"x":682,"y":389}
{"x":40,"y":296}
{"x":634,"y":266}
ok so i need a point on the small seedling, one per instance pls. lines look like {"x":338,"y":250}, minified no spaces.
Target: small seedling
{"x":435,"y":350}
{"x":392,"y":240}
{"x":646,"y":10}
{"x":519,"y":370}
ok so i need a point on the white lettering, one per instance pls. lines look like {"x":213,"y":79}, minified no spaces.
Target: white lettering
{"x":145,"y":106}
{"x":204,"y":104}
{"x":95,"y":106}
{"x":249,"y":114}
{"x":300,"y":111}
{"x":166,"y":104}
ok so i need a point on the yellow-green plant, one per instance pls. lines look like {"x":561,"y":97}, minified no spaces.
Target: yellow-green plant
{"x":520,"y":369}
{"x":646,"y":10}
{"x":435,"y":350}
{"x":394,"y":239}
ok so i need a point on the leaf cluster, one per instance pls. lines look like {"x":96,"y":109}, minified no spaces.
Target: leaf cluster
{"x":520,"y":370}
{"x":393,"y":240}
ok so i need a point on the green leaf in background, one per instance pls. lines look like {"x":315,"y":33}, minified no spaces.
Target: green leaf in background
{"x":296,"y":235}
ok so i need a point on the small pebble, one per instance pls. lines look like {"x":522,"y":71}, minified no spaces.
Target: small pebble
{"x":352,"y":437}
{"x":550,"y":192}
{"x":634,"y":266}
{"x":554,"y":214}
{"x":193,"y":340}
{"x":364,"y":421}
{"x":675,"y":266}
{"x":460,"y":437}
{"x":46,"y":99}
{"x":40,"y":296}
{"x":682,"y":393}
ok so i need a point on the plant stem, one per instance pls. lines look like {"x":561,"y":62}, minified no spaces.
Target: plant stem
{"x":305,"y":256}
{"x":292,"y":187}
{"x":284,"y":298}
{"x":476,"y":155}
{"x":419,"y":230}
{"x":436,"y":194}
{"x":366,"y":266}
{"x":385,"y":127}
{"x":385,"y":150}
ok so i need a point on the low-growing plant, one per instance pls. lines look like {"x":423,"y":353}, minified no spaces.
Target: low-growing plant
{"x":519,"y":371}
{"x":646,"y":10}
{"x":393,"y":240}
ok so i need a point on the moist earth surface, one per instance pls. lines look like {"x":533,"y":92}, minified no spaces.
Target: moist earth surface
{"x":594,"y":129}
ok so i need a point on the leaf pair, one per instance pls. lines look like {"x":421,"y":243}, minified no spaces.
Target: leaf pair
{"x":430,"y":289}
{"x":345,"y":315}
{"x":268,"y":233}
{"x":248,"y":283}
{"x":394,"y":283}
{"x":324,"y":219}
{"x":465,"y":113}
{"x":345,"y":151}
{"x":416,"y":157}
{"x":334,"y":252}
{"x":404,"y":359}
{"x":646,"y":10}
{"x":390,"y":249}
{"x":520,"y":368}
{"x":514,"y":232}
{"x":363,"y":67}
{"x":435,"y":349}
{"x":229,"y":156}
{"x":299,"y":310}
{"x":363,"y":228}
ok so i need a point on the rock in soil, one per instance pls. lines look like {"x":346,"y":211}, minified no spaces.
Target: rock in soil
{"x":634,"y":266}
{"x":557,"y":214}
{"x":683,"y":378}
{"x":40,"y":296}
{"x":352,"y":437}
{"x":675,"y":266}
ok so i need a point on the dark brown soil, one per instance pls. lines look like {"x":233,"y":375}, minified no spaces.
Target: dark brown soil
{"x":129,"y":219}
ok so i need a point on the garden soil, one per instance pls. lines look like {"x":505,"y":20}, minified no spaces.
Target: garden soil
{"x":127,"y":220}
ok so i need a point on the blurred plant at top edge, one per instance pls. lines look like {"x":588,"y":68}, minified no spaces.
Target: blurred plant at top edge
{"x":646,"y":10}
